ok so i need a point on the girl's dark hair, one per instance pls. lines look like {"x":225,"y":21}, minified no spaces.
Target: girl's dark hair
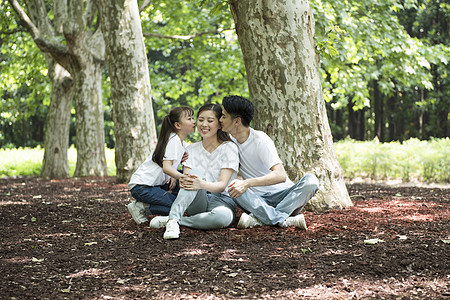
{"x":217,"y":109}
{"x":167,"y":127}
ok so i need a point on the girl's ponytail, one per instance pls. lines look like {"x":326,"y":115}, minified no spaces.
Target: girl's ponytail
{"x":167,"y":127}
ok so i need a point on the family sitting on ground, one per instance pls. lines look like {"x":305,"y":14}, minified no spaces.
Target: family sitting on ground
{"x":205,"y":194}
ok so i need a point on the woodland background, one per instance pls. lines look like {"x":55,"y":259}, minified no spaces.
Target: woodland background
{"x":383,"y":64}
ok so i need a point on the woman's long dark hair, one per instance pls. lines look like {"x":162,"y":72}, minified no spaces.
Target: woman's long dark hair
{"x":217,"y":109}
{"x":167,"y":127}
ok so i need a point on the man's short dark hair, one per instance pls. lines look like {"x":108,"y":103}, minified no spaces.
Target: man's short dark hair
{"x":238,"y":106}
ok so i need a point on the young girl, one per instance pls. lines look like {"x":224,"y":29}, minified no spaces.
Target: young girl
{"x":212,"y":164}
{"x":153,"y":185}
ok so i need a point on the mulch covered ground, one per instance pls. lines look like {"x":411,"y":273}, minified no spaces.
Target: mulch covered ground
{"x":74,"y":239}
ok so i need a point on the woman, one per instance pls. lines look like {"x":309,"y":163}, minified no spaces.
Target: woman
{"x":212,"y":164}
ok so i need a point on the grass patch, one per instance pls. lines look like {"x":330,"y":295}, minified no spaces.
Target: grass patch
{"x":412,"y":160}
{"x":28,"y":162}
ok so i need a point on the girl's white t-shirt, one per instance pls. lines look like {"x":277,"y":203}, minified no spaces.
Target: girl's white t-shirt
{"x":257,"y":155}
{"x":225,"y":156}
{"x":150,"y":173}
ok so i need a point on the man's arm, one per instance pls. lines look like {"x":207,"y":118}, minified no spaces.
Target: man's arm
{"x":277,"y":175}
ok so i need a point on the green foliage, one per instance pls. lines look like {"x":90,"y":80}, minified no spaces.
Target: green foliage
{"x":202,"y":60}
{"x":325,"y":44}
{"x":411,"y":160}
{"x":25,"y":88}
{"x":28,"y":161}
{"x":402,"y":47}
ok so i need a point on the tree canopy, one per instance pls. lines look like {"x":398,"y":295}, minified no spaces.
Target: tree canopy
{"x":384,"y":66}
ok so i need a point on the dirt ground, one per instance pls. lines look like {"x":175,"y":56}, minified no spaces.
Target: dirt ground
{"x":74,"y":239}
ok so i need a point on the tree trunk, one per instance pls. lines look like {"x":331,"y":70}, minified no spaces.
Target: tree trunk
{"x":362,"y":124}
{"x":90,"y":128}
{"x":379,"y":113}
{"x":276,"y":39}
{"x":131,"y":95}
{"x":351,"y":119}
{"x":87,"y":50}
{"x":55,"y":163}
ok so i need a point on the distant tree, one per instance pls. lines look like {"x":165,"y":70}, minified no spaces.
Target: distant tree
{"x":82,"y":55}
{"x":277,"y":42}
{"x":379,"y":71}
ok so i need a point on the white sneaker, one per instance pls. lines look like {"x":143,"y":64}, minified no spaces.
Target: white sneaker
{"x":297,"y":221}
{"x":159,"y":222}
{"x":172,"y":230}
{"x":137,"y":211}
{"x":248,"y":221}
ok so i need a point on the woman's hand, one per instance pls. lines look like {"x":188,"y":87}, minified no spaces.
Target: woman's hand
{"x":191,"y":183}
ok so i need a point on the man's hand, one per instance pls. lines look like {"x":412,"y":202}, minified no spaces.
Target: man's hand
{"x":237,"y":187}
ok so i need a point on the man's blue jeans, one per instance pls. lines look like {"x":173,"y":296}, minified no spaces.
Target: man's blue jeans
{"x":274,"y":208}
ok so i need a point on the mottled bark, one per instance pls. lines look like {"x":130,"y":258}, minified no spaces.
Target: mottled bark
{"x":55,"y":163}
{"x":90,"y":132}
{"x":276,"y":38}
{"x":87,"y":48}
{"x":131,"y":95}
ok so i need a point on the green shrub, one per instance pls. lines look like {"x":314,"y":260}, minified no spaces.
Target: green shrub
{"x":410,"y":160}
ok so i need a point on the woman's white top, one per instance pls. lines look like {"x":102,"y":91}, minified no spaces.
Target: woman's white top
{"x":150,"y":173}
{"x":225,"y":156}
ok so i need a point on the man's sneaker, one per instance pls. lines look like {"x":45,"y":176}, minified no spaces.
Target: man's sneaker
{"x":159,"y":222}
{"x":137,"y":211}
{"x":248,"y":221}
{"x":172,"y":230}
{"x":297,"y":221}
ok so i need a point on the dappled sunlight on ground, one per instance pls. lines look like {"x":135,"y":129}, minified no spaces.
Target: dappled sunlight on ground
{"x":75,"y":239}
{"x":89,"y":272}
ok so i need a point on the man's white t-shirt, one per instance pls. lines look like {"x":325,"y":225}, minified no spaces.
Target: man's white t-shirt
{"x":257,"y":155}
{"x":150,"y":173}
{"x":225,"y":156}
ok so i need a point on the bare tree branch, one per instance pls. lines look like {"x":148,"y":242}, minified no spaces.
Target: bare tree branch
{"x":9,"y":32}
{"x":144,"y":5}
{"x":185,"y":37}
{"x":58,"y":51}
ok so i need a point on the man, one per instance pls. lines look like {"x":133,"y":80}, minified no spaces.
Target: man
{"x":266,"y":194}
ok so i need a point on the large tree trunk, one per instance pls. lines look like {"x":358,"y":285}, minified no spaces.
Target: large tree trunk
{"x":88,"y":52}
{"x":55,"y":163}
{"x":276,"y":38}
{"x":131,"y":95}
{"x":90,"y":128}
